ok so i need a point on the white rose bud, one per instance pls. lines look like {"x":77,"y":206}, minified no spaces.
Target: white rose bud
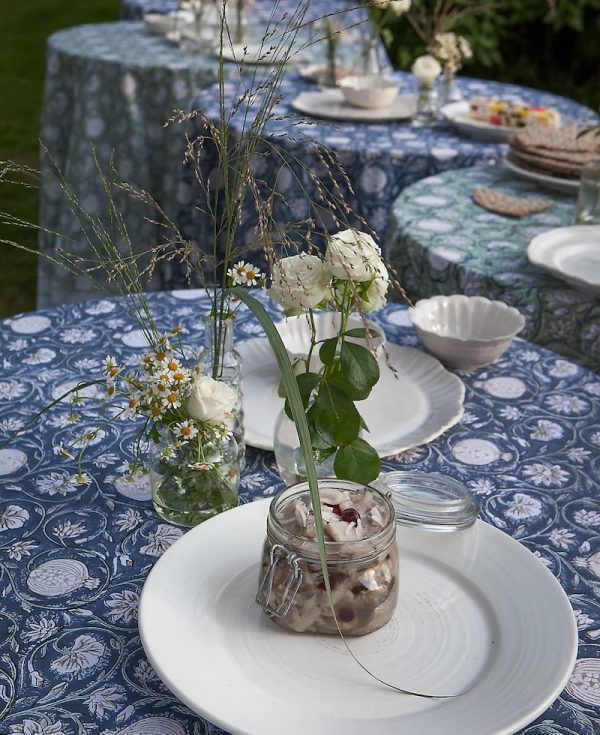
{"x":376,"y":293}
{"x":210,"y":400}
{"x":300,"y":282}
{"x":426,"y":69}
{"x":353,"y":256}
{"x":398,"y":7}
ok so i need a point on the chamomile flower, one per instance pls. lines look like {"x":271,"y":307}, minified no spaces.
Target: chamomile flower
{"x":61,"y":451}
{"x":171,"y":400}
{"x":238,"y":274}
{"x":185,"y":430}
{"x":111,"y":388}
{"x":253,"y":275}
{"x":109,"y":364}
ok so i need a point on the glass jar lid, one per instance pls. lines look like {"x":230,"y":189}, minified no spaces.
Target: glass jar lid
{"x":429,"y":501}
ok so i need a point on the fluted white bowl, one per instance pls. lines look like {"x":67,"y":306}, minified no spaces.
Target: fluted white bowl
{"x":295,"y":331}
{"x":163,"y":23}
{"x":465,"y":331}
{"x":371,"y":91}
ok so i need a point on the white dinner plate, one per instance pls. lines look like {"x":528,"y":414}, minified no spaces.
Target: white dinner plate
{"x":556,"y":183}
{"x":330,"y":104}
{"x":477,"y":613}
{"x":405,"y":409}
{"x":570,"y":253}
{"x":254,"y":53}
{"x":457,"y":113}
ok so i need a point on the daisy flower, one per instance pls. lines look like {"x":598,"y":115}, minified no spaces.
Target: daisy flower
{"x":186,"y":430}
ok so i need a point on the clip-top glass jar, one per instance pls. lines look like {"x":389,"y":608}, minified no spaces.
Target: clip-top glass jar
{"x":362,"y":559}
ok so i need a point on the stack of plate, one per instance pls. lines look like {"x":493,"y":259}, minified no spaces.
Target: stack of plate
{"x":558,"y":153}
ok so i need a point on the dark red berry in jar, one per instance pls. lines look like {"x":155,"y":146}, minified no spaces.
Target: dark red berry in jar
{"x":336,"y":510}
{"x":346,"y":615}
{"x":321,"y":584}
{"x":350,"y":515}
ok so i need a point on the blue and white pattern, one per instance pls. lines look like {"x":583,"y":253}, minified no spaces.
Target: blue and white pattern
{"x":76,"y":544}
{"x":380,"y":160}
{"x":441,"y":242}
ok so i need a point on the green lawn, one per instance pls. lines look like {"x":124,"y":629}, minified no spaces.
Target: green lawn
{"x":24,"y":27}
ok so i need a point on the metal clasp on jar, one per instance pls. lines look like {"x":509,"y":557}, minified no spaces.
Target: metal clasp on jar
{"x":278,"y":608}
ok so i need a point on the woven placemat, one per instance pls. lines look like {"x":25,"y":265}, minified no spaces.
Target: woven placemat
{"x":508,"y":205}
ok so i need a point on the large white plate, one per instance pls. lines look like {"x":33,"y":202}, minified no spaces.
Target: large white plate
{"x":457,"y":113}
{"x":405,"y":409}
{"x":477,"y":611}
{"x":556,"y":183}
{"x":330,"y":104}
{"x":256,"y":54}
{"x":570,"y":253}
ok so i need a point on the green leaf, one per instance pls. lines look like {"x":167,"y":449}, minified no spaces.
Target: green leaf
{"x":307,"y":382}
{"x":359,"y":366}
{"x":361,"y":333}
{"x":327,"y":351}
{"x":339,"y":381}
{"x":357,"y":461}
{"x":336,"y":414}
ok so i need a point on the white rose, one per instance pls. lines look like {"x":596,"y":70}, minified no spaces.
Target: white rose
{"x":353,"y":256}
{"x":376,"y":293}
{"x":300,"y":282}
{"x":210,"y":400}
{"x":426,"y":69}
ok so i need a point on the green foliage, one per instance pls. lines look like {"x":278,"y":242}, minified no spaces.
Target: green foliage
{"x":545,"y":44}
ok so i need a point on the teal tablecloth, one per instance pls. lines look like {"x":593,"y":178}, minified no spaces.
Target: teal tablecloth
{"x":441,"y":242}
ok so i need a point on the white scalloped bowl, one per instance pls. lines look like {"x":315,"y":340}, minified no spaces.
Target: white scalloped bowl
{"x":162,"y":23}
{"x":465,"y":331}
{"x":370,"y":92}
{"x":295,"y":331}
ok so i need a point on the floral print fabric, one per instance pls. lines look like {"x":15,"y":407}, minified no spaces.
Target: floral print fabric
{"x":441,"y":242}
{"x":75,"y":551}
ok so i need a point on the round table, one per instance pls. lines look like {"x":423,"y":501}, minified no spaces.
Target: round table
{"x":110,"y":88}
{"x":379,"y":159}
{"x":70,"y":655}
{"x":441,"y":242}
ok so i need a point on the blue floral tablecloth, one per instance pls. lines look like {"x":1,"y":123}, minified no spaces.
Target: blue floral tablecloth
{"x":74,"y":552}
{"x":441,"y":242}
{"x":379,"y":160}
{"x":110,"y":88}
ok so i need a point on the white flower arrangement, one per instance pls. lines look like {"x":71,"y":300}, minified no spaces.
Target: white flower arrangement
{"x":451,"y":50}
{"x":350,"y":277}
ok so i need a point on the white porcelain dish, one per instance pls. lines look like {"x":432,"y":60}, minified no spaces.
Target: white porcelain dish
{"x":570,"y":253}
{"x":163,"y":23}
{"x":465,"y":331}
{"x":457,"y":113}
{"x":406,"y":408}
{"x":477,"y":612}
{"x":554,"y":183}
{"x":329,"y":104}
{"x":371,"y":92}
{"x":295,"y":331}
{"x":255,"y":54}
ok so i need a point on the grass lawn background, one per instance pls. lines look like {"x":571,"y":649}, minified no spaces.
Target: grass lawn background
{"x":24,"y":27}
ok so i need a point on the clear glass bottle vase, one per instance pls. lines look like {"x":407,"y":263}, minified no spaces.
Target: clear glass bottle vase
{"x":288,"y":453}
{"x":221,"y":361}
{"x":449,"y":91}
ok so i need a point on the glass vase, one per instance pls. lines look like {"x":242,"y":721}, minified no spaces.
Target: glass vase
{"x":588,"y":200}
{"x":288,"y":453}
{"x":370,"y":61}
{"x":221,"y":361}
{"x":188,"y":489}
{"x":449,"y":91}
{"x":427,"y":107}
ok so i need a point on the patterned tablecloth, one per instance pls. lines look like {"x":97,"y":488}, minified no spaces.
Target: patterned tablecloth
{"x":379,"y":159}
{"x":441,"y":242}
{"x":73,"y":557}
{"x":109,"y":90}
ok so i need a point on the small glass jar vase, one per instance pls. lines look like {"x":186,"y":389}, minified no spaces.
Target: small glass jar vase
{"x":363,"y":571}
{"x":449,"y":91}
{"x":221,"y":361}
{"x":588,"y":200}
{"x":188,"y":489}
{"x":428,"y":106}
